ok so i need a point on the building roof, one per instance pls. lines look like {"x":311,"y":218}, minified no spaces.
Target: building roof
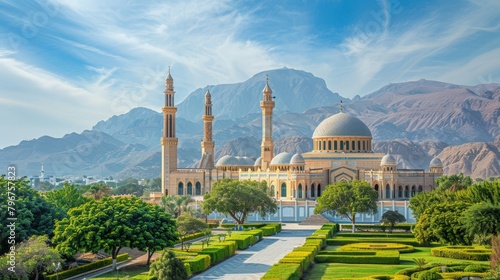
{"x":281,"y":158}
{"x":297,"y":159}
{"x":342,"y":124}
{"x":436,"y":163}
{"x":388,"y":160}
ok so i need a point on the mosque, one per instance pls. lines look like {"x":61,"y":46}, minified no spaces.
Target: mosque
{"x":342,"y":151}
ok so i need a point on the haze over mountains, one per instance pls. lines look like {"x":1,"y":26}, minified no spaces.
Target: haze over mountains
{"x":414,"y":121}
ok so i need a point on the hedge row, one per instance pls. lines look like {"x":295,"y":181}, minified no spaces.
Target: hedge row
{"x":376,"y":235}
{"x":283,"y":271}
{"x":254,"y":232}
{"x":87,"y":267}
{"x":243,"y":241}
{"x":198,"y":263}
{"x":295,"y":263}
{"x":196,"y":235}
{"x":477,"y":253}
{"x":402,"y":248}
{"x":368,"y":257}
{"x":382,"y":228}
{"x":340,"y":240}
{"x":270,"y":229}
{"x":461,"y":275}
{"x":245,"y":226}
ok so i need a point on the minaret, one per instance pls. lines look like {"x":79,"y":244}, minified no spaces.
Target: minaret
{"x":42,"y":174}
{"x":267,"y":146}
{"x":168,"y":141}
{"x":207,"y":144}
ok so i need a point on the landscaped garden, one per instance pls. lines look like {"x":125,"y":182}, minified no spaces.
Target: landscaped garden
{"x":373,"y":255}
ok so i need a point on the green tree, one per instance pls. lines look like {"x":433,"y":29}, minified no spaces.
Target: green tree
{"x":113,"y":223}
{"x":454,"y":182}
{"x":238,"y":198}
{"x":168,"y":267}
{"x":187,"y":224}
{"x":35,"y":216}
{"x":98,"y":191}
{"x":442,"y":222}
{"x":33,"y":257}
{"x":66,"y":198}
{"x":348,"y":199}
{"x":485,"y":191}
{"x":175,"y":204}
{"x":392,"y":217}
{"x":130,"y":188}
{"x":155,"y":185}
{"x":482,"y":220}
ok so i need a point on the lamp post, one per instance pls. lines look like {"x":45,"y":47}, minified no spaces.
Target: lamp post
{"x":57,"y":267}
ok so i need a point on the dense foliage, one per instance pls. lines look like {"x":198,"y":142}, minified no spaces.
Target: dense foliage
{"x":347,"y":199}
{"x":168,"y":267}
{"x":187,"y":224}
{"x":237,"y":199}
{"x":35,"y":216}
{"x":457,"y":212}
{"x":392,"y":218}
{"x":113,"y":223}
{"x":69,"y":196}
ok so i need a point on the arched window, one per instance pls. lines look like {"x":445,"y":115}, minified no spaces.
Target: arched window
{"x":335,"y":145}
{"x":319,"y":189}
{"x":413,"y":190}
{"x":283,"y":190}
{"x":400,"y":191}
{"x":341,"y":145}
{"x":359,"y":145}
{"x":198,"y":188}
{"x":273,"y":194}
{"x":377,"y":190}
{"x":312,"y":190}
{"x":329,"y":145}
{"x":299,"y":195}
{"x":347,"y":145}
{"x":180,"y":188}
{"x":419,"y":189}
{"x":406,"y":191}
{"x":387,"y":191}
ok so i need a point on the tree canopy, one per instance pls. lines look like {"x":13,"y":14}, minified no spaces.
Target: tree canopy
{"x":66,"y":198}
{"x":392,"y":217}
{"x":187,"y":224}
{"x":232,"y":197}
{"x":33,"y":256}
{"x":348,"y":199}
{"x":113,"y":223}
{"x":168,"y":267}
{"x":457,"y":215}
{"x":35,"y":216}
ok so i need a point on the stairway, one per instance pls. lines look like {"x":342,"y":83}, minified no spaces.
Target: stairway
{"x":316,"y":219}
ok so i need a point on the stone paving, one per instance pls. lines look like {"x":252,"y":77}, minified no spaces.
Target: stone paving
{"x":254,"y":262}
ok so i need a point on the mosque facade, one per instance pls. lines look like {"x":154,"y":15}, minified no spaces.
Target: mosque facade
{"x":342,"y":151}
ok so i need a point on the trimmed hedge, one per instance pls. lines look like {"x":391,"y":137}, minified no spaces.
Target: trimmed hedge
{"x":271,"y":229}
{"x":477,"y":253}
{"x":243,"y":241}
{"x":340,"y":240}
{"x":196,"y":235}
{"x":217,"y":254}
{"x":382,"y":228}
{"x":87,"y":267}
{"x":253,"y":232}
{"x":198,"y":263}
{"x":460,"y":275}
{"x":283,"y":271}
{"x":477,"y":268}
{"x":369,"y":257}
{"x":402,"y":248}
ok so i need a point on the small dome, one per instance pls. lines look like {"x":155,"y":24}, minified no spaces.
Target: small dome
{"x":258,"y":161}
{"x":281,"y":158}
{"x":388,"y":160}
{"x":436,"y":163}
{"x":228,"y":160}
{"x":342,"y":124}
{"x":247,"y":161}
{"x":297,"y":159}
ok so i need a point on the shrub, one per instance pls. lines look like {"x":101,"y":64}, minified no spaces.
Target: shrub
{"x":243,"y":241}
{"x":254,"y":232}
{"x":460,"y":275}
{"x":402,"y":248}
{"x":429,"y":275}
{"x":283,"y":271}
{"x":217,"y":254}
{"x":478,"y":253}
{"x":198,"y":263}
{"x":369,"y":257}
{"x":477,"y":268}
{"x":87,"y":267}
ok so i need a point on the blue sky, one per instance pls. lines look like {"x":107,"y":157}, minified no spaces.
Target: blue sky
{"x":67,"y":64}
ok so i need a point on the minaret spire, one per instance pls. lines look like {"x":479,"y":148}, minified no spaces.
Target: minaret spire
{"x":341,"y":106}
{"x":169,"y":140}
{"x":267,"y":146}
{"x":207,"y":144}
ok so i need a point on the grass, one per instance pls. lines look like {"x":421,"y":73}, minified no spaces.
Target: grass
{"x":339,"y":270}
{"x":136,"y":272}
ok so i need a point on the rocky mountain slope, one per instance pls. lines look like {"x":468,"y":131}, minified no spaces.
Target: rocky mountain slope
{"x":414,"y":121}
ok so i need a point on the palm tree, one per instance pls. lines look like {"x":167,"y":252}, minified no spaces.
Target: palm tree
{"x":98,"y":191}
{"x":175,"y":205}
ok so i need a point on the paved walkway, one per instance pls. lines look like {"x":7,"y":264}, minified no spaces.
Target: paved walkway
{"x":255,"y":261}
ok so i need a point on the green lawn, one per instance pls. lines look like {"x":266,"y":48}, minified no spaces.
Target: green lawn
{"x":325,"y":271}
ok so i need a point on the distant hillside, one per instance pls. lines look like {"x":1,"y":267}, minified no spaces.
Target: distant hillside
{"x":414,"y":121}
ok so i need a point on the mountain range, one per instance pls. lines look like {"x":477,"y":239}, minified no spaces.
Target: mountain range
{"x":414,"y":121}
